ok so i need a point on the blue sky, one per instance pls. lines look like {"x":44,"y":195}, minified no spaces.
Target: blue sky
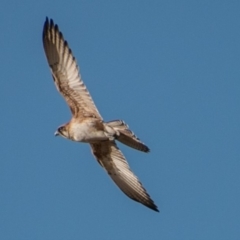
{"x":171,"y":70}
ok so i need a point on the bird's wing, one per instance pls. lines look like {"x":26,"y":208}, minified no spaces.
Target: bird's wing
{"x":66,"y":73}
{"x":112,"y":159}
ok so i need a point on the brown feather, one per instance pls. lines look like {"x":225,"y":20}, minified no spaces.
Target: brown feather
{"x":66,"y":74}
{"x":112,"y":159}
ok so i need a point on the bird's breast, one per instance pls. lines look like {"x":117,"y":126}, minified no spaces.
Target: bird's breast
{"x":87,"y":131}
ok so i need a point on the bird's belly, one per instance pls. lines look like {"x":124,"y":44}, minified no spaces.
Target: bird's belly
{"x":88,"y":132}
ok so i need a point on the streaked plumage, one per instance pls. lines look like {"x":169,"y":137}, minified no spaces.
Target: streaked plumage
{"x":87,"y":124}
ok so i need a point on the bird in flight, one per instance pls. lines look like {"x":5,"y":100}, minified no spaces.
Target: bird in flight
{"x":86,"y":124}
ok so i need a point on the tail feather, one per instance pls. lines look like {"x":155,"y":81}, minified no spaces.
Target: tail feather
{"x":126,"y":136}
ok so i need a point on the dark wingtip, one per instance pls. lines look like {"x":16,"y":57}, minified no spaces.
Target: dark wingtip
{"x":152,"y":206}
{"x":146,"y":149}
{"x":48,"y":23}
{"x":149,"y":204}
{"x":155,"y":208}
{"x":45,"y":27}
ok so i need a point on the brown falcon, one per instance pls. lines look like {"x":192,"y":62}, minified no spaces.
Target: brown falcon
{"x":87,"y":124}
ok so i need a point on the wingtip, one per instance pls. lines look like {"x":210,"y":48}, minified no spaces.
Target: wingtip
{"x":152,"y":206}
{"x":48,"y":22}
{"x":48,"y":26}
{"x":155,"y":208}
{"x":146,"y":149}
{"x":45,"y":27}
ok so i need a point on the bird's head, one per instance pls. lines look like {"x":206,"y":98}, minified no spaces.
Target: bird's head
{"x":62,"y":131}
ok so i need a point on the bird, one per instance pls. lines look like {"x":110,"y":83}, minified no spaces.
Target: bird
{"x":86,"y":124}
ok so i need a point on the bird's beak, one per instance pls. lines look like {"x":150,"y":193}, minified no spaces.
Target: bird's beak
{"x":56,"y":133}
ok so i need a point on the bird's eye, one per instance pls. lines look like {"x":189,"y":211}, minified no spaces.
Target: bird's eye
{"x":60,"y":129}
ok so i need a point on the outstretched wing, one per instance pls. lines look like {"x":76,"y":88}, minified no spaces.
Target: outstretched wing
{"x":111,"y":158}
{"x":66,"y":74}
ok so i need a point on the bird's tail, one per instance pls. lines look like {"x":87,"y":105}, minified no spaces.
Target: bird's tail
{"x":126,"y":136}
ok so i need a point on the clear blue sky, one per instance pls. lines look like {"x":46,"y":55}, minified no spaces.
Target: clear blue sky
{"x":171,"y":70}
